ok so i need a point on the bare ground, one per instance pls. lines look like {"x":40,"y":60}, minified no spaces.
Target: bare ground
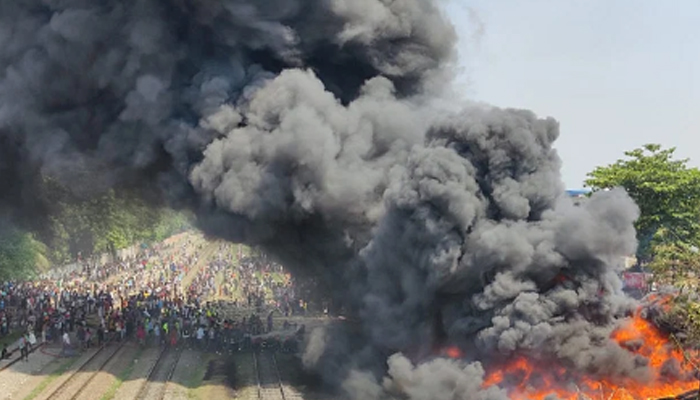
{"x":18,"y":381}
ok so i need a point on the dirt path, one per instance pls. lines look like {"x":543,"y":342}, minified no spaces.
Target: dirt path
{"x":17,"y":381}
{"x":53,"y":374}
{"x":206,"y":256}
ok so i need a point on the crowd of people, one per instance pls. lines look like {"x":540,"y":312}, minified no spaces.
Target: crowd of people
{"x":62,"y":299}
{"x":146,"y":299}
{"x":256,"y":282}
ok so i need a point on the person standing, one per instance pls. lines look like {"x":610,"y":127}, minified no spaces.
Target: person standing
{"x":66,"y":344}
{"x":269,"y":322}
{"x":80,"y":335}
{"x":23,"y":349}
{"x":200,"y":337}
{"x":88,"y":338}
{"x":31,"y":338}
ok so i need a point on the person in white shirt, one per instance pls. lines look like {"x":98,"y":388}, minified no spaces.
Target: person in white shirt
{"x":200,"y":337}
{"x":66,"y":343}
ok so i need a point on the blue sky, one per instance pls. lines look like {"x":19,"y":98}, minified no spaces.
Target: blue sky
{"x":616,"y":73}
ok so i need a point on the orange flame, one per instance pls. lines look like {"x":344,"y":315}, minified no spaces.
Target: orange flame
{"x":453,"y":352}
{"x":527,"y":380}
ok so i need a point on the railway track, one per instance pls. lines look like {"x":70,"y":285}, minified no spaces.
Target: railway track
{"x":79,"y":379}
{"x":19,"y":358}
{"x":161,"y":373}
{"x":270,"y":385}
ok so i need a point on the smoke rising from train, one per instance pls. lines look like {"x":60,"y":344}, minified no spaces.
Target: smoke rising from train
{"x":314,"y":129}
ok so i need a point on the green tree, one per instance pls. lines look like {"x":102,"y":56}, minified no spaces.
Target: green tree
{"x":110,"y":222}
{"x":666,"y":190}
{"x":676,"y":264}
{"x":102,"y":222}
{"x":21,"y":256}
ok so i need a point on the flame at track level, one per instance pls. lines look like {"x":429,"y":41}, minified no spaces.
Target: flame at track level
{"x":671,"y":374}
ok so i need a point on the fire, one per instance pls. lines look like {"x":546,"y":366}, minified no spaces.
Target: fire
{"x":527,"y":380}
{"x":453,"y":352}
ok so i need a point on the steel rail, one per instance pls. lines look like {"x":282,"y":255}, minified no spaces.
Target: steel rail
{"x":80,"y":390}
{"x":143,"y":390}
{"x":264,"y":393}
{"x":59,"y":390}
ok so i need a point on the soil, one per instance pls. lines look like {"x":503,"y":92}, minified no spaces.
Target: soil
{"x":17,"y":381}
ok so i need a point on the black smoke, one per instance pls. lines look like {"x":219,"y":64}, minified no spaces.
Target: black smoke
{"x":312,"y":128}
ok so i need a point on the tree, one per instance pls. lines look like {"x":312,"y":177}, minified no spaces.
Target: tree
{"x":666,"y":190}
{"x":104,"y":223}
{"x":676,"y":264}
{"x":21,"y":256}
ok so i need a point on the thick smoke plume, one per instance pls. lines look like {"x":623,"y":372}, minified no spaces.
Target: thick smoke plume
{"x":310,"y":128}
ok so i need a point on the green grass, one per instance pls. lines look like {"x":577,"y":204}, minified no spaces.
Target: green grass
{"x":245,"y":251}
{"x":10,"y":339}
{"x":278,"y":277}
{"x":195,"y":380}
{"x":245,"y":381}
{"x":123,"y":375}
{"x":65,"y":366}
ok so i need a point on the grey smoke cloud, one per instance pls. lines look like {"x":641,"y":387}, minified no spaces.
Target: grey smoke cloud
{"x":309,"y":128}
{"x":439,"y":379}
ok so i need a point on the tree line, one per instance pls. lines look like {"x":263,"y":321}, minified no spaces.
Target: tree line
{"x":87,"y":225}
